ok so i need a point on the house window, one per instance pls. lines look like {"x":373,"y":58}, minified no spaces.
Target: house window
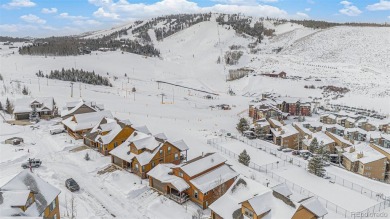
{"x":207,"y":204}
{"x":176,"y":156}
{"x":143,"y":168}
{"x":52,"y":205}
{"x":181,"y":174}
{"x":248,"y":213}
{"x":115,"y":144}
{"x":196,"y":194}
{"x":153,"y":164}
{"x":136,"y":167}
{"x":169,"y":149}
{"x":161,"y":152}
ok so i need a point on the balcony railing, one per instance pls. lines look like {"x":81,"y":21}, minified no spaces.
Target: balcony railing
{"x":177,"y":198}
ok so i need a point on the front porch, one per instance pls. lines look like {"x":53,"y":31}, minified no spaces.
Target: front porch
{"x":175,"y":195}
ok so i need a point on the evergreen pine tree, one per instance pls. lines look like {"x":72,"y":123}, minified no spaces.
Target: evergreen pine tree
{"x":260,"y":132}
{"x":242,"y":125}
{"x":313,"y":145}
{"x":9,"y":108}
{"x":244,"y":158}
{"x":1,"y":107}
{"x":316,"y":166}
{"x":86,"y":157}
{"x":25,"y":90}
{"x":34,"y":114}
{"x":1,"y":77}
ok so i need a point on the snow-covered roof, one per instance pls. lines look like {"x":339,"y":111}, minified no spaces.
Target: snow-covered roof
{"x":276,"y":122}
{"x":86,"y":120}
{"x":107,"y":138}
{"x":313,"y":205}
{"x":244,"y":189}
{"x":321,"y":137}
{"x":16,"y":190}
{"x":302,"y":128}
{"x":181,"y":145}
{"x":359,"y":130}
{"x":143,"y":129}
{"x":200,"y":164}
{"x":362,"y":152}
{"x":71,"y":107}
{"x":343,"y":140}
{"x":282,"y":189}
{"x":260,"y":203}
{"x":161,"y":136}
{"x":163,"y":173}
{"x":23,"y":105}
{"x":336,"y":126}
{"x":285,"y":131}
{"x":148,"y":142}
{"x":123,"y":152}
{"x":214,"y":178}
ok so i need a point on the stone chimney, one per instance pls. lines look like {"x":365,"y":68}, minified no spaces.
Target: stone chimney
{"x":351,"y":149}
{"x":359,"y":155}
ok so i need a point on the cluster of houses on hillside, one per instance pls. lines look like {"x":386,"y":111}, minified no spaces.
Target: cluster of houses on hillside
{"x":206,"y":180}
{"x":361,"y":143}
{"x":280,"y":108}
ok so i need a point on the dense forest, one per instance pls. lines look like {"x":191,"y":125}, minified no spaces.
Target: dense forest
{"x":324,"y":24}
{"x":68,"y":46}
{"x":12,"y":39}
{"x":242,"y":25}
{"x":76,"y":75}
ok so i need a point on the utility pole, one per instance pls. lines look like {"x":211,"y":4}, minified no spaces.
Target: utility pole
{"x":71,"y":85}
{"x":162,"y":98}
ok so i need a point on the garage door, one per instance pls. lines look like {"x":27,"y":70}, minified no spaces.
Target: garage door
{"x":22,"y":116}
{"x":117,"y":161}
{"x":158,"y":185}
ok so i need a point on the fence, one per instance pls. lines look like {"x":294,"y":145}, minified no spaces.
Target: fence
{"x":294,"y":187}
{"x":298,"y":162}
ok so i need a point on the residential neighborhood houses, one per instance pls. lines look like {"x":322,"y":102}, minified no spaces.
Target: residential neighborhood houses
{"x":359,"y":142}
{"x":45,"y":107}
{"x":359,"y":145}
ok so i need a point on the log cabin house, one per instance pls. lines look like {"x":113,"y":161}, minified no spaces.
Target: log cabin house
{"x":80,"y":107}
{"x":142,"y":152}
{"x":80,"y":124}
{"x":310,"y":208}
{"x":202,"y":180}
{"x":26,"y":195}
{"x":108,"y":134}
{"x":247,"y":198}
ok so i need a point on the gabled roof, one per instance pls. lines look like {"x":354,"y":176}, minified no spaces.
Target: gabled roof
{"x":148,"y":142}
{"x":245,"y":189}
{"x":163,"y":173}
{"x":313,"y":205}
{"x":23,"y":105}
{"x":27,"y":181}
{"x":181,"y":145}
{"x":202,"y":163}
{"x":321,"y":137}
{"x":282,"y":189}
{"x":86,"y":120}
{"x":143,"y":129}
{"x":213,"y":178}
{"x":77,"y":104}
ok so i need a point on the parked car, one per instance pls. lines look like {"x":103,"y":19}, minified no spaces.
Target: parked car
{"x":72,"y":185}
{"x":34,"y":163}
{"x":287,"y":150}
{"x":56,"y":131}
{"x":295,"y":152}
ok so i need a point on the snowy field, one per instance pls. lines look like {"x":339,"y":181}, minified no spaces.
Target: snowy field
{"x":189,"y":59}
